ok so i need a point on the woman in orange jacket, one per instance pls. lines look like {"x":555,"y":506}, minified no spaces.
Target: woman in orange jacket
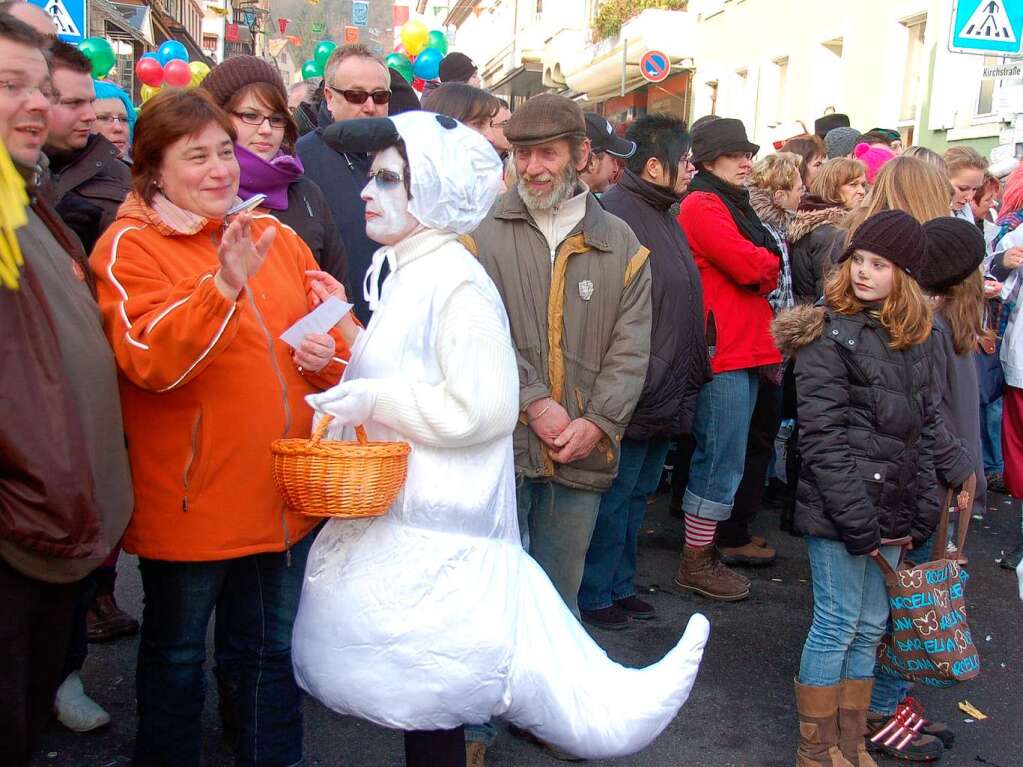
{"x":194,"y":307}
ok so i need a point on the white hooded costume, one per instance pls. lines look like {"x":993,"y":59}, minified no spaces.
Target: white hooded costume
{"x":433,"y":616}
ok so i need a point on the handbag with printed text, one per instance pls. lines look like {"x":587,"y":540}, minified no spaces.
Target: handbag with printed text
{"x":929,"y":639}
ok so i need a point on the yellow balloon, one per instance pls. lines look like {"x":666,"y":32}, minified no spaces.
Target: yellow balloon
{"x":147,"y":92}
{"x":199,"y":71}
{"x":414,"y":36}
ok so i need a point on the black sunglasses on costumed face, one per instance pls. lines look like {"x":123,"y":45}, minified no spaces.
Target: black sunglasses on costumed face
{"x":359,"y":97}
{"x":386,"y":179}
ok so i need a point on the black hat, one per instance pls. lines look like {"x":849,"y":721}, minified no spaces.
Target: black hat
{"x":954,"y":248}
{"x":603,"y":138}
{"x":403,"y":97}
{"x":456,"y":68}
{"x":713,"y":138}
{"x":891,"y":234}
{"x":822,"y":125}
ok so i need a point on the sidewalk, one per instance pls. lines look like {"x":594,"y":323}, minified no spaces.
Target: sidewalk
{"x":741,"y":712}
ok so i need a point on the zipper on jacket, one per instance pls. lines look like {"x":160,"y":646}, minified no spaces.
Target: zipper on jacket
{"x":284,"y":397}
{"x":308,"y":206}
{"x":191,"y":459}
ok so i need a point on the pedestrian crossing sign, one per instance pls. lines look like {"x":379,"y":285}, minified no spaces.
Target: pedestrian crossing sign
{"x":987,"y":27}
{"x":68,"y":18}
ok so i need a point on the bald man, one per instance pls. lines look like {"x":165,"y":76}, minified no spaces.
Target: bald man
{"x":32,"y":15}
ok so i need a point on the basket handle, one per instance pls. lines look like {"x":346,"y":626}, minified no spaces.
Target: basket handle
{"x":321,"y":431}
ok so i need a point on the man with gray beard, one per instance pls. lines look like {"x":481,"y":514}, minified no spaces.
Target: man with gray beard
{"x":576,"y":285}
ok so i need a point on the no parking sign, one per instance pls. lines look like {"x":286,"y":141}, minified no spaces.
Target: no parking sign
{"x":655,"y":66}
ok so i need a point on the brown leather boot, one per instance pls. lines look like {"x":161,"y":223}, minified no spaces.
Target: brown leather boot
{"x":700,"y":571}
{"x":853,"y":703}
{"x":105,"y":621}
{"x":818,"y":727}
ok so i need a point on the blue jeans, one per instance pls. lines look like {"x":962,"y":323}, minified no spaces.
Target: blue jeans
{"x":256,"y":599}
{"x":556,"y":524}
{"x":611,"y":559}
{"x":720,"y":427}
{"x":991,"y":437}
{"x":850,"y":613}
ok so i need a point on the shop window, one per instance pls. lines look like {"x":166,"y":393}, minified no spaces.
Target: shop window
{"x":209,"y":42}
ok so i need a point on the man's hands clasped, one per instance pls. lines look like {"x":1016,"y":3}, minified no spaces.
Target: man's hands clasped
{"x":568,"y":440}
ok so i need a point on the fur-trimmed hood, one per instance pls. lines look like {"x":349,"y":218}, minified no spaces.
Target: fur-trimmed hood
{"x":771,"y":214}
{"x":797,"y":327}
{"x":808,"y":220}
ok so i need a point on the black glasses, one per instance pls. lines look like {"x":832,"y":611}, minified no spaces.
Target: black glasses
{"x":359,"y":97}
{"x":255,"y":118}
{"x":386,"y":179}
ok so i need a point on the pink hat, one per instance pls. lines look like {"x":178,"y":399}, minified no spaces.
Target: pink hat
{"x":874,"y":157}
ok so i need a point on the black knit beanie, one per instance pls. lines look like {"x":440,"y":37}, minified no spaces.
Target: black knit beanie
{"x":456,"y":68}
{"x":953,"y":249}
{"x":891,"y":234}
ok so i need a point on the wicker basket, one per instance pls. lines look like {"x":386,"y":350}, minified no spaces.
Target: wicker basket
{"x":328,"y":478}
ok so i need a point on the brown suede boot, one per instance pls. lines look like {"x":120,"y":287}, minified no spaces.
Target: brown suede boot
{"x":699,"y":571}
{"x":818,"y":727}
{"x":853,"y":703}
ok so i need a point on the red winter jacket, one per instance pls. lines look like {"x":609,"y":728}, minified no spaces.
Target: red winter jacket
{"x":737,"y":276}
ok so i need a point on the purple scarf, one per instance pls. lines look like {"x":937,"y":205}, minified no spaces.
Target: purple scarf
{"x":270,"y":178}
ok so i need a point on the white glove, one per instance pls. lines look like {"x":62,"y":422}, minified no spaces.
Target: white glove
{"x":350,"y":402}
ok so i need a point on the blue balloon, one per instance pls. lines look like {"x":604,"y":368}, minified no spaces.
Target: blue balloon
{"x":150,"y":55}
{"x":427,"y":64}
{"x":171,"y":50}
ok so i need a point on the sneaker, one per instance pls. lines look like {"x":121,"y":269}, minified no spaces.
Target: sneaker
{"x":899,"y":736}
{"x":996,"y":483}
{"x":636,"y":608}
{"x":611,"y":618}
{"x":750,"y":554}
{"x":76,"y":710}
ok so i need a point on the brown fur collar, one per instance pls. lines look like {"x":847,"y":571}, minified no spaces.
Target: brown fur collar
{"x":808,"y":220}
{"x":797,"y":327}
{"x":769,"y":213}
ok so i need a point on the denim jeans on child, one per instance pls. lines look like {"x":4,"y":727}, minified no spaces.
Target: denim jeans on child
{"x":850,"y":612}
{"x":720,"y":427}
{"x":556,"y":523}
{"x":991,"y":436}
{"x":611,"y":559}
{"x":256,"y":599}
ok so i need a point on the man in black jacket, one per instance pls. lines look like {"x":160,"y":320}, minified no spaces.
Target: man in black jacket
{"x":656,"y":175}
{"x":356,"y":85}
{"x":88,"y":182}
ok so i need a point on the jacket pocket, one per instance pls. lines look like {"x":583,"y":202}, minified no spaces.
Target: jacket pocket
{"x":192,"y":476}
{"x":873,"y":474}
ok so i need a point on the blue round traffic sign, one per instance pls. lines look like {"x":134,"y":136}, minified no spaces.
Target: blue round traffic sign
{"x":655,"y":66}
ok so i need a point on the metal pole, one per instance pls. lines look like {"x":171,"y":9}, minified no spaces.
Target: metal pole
{"x":625,"y":62}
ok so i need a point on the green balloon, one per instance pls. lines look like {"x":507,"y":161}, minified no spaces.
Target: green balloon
{"x":99,"y":53}
{"x":322,"y":53}
{"x":311,"y":69}
{"x":401,"y":63}
{"x":439,"y":41}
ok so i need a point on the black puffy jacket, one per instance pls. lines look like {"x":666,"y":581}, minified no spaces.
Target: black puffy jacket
{"x":679,"y":364}
{"x":816,"y":242}
{"x":867,"y":429}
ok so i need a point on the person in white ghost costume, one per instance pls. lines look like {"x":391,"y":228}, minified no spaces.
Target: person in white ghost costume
{"x":432,"y":616}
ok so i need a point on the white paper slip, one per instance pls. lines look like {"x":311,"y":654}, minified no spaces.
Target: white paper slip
{"x":319,"y":320}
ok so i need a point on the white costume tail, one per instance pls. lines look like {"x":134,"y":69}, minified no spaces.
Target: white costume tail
{"x":565,"y":690}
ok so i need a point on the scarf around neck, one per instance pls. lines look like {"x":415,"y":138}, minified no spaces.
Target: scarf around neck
{"x":660,"y":197}
{"x":736,"y":199}
{"x":270,"y":178}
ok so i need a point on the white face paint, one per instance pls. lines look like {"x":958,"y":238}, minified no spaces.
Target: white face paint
{"x":387,"y":218}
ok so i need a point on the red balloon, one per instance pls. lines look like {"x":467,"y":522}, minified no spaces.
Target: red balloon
{"x":418,"y":83}
{"x":150,"y":72}
{"x":176,"y":73}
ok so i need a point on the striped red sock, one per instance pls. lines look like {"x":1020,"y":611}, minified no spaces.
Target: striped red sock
{"x":699,"y":531}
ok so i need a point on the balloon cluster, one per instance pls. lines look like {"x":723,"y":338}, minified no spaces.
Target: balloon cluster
{"x":420,"y":53}
{"x":168,"y":66}
{"x":321,"y":54}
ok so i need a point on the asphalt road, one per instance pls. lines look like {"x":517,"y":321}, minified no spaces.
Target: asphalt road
{"x":741,"y":712}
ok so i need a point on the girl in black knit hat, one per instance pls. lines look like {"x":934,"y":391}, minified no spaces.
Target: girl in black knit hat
{"x":866,"y":425}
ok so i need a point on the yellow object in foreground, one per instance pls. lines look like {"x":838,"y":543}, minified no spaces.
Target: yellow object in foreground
{"x":13,"y":202}
{"x":968,"y":708}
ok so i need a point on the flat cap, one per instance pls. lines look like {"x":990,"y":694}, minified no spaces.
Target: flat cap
{"x":543,"y":118}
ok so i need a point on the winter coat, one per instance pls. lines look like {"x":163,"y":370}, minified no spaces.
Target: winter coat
{"x":87,"y":187}
{"x":207,"y":384}
{"x":867,"y":429}
{"x":309,"y":215}
{"x":679,"y":364}
{"x":592,"y":355}
{"x":341,"y":178}
{"x":816,"y":244}
{"x":87,"y":366}
{"x":737,"y":276}
{"x":777,"y":220}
